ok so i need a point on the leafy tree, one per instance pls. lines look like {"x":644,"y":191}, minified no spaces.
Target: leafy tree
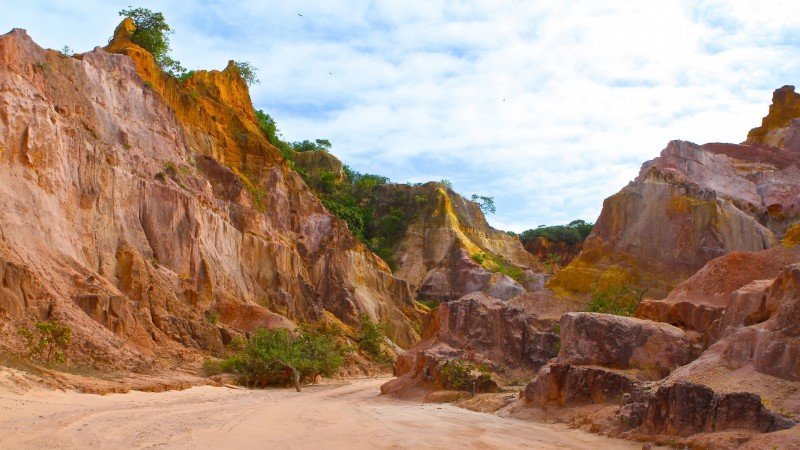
{"x":486,"y":204}
{"x":247,"y":71}
{"x":152,"y":34}
{"x":447,"y":184}
{"x":572,"y":233}
{"x":319,"y":145}
{"x":47,"y":341}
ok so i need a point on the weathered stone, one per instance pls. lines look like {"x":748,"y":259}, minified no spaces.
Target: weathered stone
{"x":685,"y":408}
{"x":477,"y":328}
{"x":568,"y":385}
{"x":622,"y":343}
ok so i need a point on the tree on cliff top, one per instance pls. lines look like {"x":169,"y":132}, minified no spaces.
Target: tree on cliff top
{"x":152,"y":34}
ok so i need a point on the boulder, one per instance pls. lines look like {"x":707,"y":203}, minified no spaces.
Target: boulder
{"x":684,"y":409}
{"x":618,"y":342}
{"x":568,"y":385}
{"x":698,"y":302}
{"x":480,"y":329}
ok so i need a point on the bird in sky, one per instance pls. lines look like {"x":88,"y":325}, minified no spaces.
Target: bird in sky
{"x":299,"y":14}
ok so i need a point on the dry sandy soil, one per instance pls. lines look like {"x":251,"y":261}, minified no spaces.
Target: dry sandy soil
{"x":351,"y":415}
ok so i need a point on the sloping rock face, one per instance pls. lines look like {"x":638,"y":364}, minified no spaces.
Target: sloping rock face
{"x":134,"y":206}
{"x":698,"y":302}
{"x":437,"y":254}
{"x":692,"y":204}
{"x":544,"y":249}
{"x":481,"y":329}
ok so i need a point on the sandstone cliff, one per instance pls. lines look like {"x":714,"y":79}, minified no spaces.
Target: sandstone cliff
{"x":138,"y":209}
{"x":435,"y":239}
{"x":449,"y":250}
{"x":692,"y":204}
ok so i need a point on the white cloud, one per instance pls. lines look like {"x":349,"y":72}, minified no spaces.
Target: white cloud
{"x":548,"y":106}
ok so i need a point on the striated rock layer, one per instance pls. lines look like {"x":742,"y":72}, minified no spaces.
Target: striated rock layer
{"x":135,"y":208}
{"x":692,"y":204}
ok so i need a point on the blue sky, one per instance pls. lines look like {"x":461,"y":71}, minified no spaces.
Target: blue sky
{"x":548,"y":106}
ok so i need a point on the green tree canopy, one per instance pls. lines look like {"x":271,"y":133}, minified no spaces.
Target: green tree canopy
{"x":486,"y":204}
{"x":247,"y":71}
{"x":152,"y":34}
{"x":572,"y":233}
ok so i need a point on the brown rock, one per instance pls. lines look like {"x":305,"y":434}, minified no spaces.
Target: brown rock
{"x":684,"y":409}
{"x":783,"y":111}
{"x":477,"y":328}
{"x":568,"y":385}
{"x":617,"y":342}
{"x":436,"y":255}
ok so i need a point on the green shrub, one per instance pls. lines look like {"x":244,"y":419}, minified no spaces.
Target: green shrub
{"x":319,"y":145}
{"x":462,"y":375}
{"x":272,"y":357}
{"x":552,"y":263}
{"x":47,"y":341}
{"x":430,"y":304}
{"x":152,"y":34}
{"x":183,"y":77}
{"x":213,"y":317}
{"x":497,"y":264}
{"x":371,"y":336}
{"x":620,"y":300}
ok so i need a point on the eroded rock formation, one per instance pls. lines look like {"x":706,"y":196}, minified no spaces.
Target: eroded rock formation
{"x":134,"y":206}
{"x":692,"y":204}
{"x":480,"y":329}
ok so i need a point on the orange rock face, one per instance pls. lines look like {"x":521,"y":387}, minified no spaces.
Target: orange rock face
{"x":135,"y":208}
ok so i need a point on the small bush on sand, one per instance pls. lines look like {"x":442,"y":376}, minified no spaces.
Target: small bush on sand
{"x":273,"y":357}
{"x":463,"y":375}
{"x":47,"y":341}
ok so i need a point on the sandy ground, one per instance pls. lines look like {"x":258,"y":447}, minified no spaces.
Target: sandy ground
{"x":350,"y":416}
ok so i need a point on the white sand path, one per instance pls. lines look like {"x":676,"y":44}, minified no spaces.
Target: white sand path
{"x":350,"y":416}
